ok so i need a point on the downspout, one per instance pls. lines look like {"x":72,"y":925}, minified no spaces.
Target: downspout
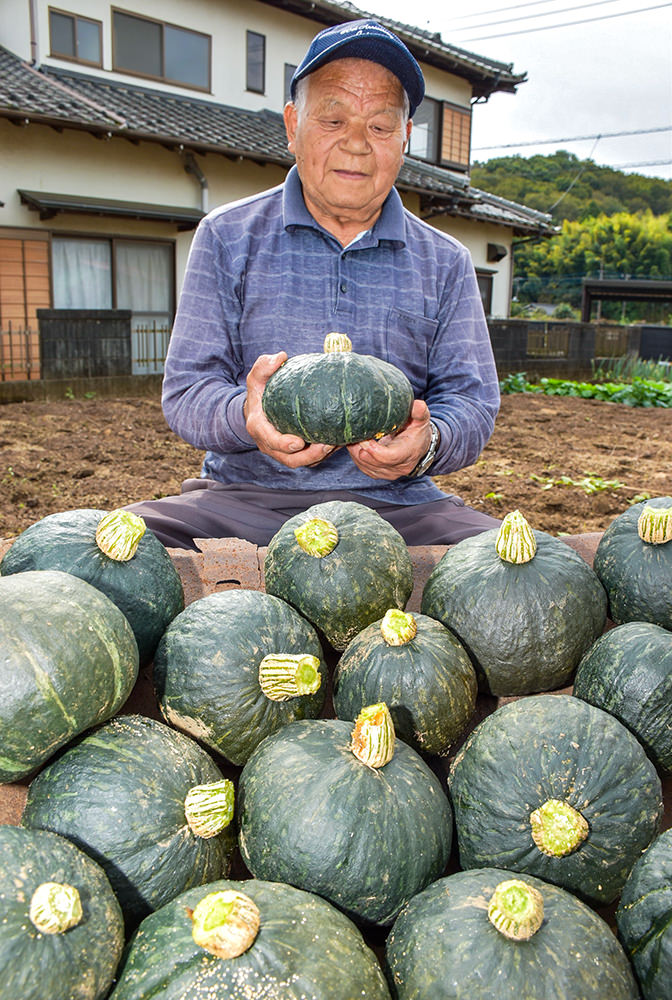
{"x":34,"y":39}
{"x":192,"y":167}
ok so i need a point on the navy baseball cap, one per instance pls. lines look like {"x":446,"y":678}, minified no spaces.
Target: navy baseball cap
{"x":364,"y":39}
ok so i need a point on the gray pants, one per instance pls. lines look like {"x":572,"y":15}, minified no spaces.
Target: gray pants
{"x":208,"y":509}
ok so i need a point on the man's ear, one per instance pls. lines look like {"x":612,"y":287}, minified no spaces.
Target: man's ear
{"x":290,"y":116}
{"x":409,"y":126}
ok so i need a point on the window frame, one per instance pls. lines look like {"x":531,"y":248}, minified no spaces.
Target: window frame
{"x":75,"y":18}
{"x":486,"y":283}
{"x":435,"y":136}
{"x":163,"y":78}
{"x":457,"y":111}
{"x":249,"y":34}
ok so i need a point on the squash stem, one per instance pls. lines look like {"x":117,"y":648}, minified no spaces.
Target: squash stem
{"x":515,"y":542}
{"x":209,"y":808}
{"x":225,"y":923}
{"x":335,"y":343}
{"x":398,"y":627}
{"x":317,"y":537}
{"x":289,"y":675}
{"x":558,"y":829}
{"x":118,"y":534}
{"x":373,"y":736}
{"x":55,"y":907}
{"x":654,"y":525}
{"x":516,"y":909}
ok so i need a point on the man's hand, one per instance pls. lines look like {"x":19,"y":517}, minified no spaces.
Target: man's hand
{"x":287,"y":449}
{"x":395,"y":455}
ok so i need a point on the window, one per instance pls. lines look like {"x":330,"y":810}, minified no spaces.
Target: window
{"x":484,"y":279}
{"x":456,"y":136}
{"x":162,"y":51}
{"x":290,"y":69}
{"x":424,"y":142}
{"x":441,"y":134}
{"x":256,"y":62}
{"x":103,"y":273}
{"x":75,"y":37}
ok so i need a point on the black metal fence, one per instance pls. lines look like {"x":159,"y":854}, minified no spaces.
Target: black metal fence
{"x":79,"y":343}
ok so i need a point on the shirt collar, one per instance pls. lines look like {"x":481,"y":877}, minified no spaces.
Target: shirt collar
{"x":389,"y":227}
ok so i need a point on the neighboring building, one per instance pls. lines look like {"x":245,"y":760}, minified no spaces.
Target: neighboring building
{"x":120,"y":126}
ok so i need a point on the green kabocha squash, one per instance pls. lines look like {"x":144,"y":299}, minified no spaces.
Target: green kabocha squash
{"x":488,"y":934}
{"x":524,"y":604}
{"x":62,"y":928}
{"x":69,"y":661}
{"x":633,"y":560}
{"x":146,"y":802}
{"x":341,"y":565}
{"x":419,"y":669}
{"x":628,"y":672}
{"x":337,"y":397}
{"x":553,"y":787}
{"x":116,"y":554}
{"x":250,"y":940}
{"x":644,"y":918}
{"x":235,"y":666}
{"x":345,"y":812}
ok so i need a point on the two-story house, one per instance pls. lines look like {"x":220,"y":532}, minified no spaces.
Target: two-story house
{"x":120,"y":126}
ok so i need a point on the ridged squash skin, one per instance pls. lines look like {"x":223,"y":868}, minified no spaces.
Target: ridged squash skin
{"x":555,"y":747}
{"x":337,"y":398}
{"x":628,"y":673}
{"x":428,"y":683}
{"x":77,"y":964}
{"x":443,"y":945}
{"x":644,"y":918}
{"x":368,"y":571}
{"x":305,"y":950}
{"x":636,"y":575}
{"x":68,"y":661}
{"x":525,"y":626}
{"x":147,"y":588}
{"x":206,"y":670}
{"x":311,"y":814}
{"x":119,"y":795}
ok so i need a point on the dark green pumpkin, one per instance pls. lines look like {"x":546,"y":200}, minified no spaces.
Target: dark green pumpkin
{"x":313,"y":815}
{"x":69,"y":661}
{"x":120,"y":794}
{"x":443,"y":945}
{"x":74,"y":960}
{"x":628,"y":673}
{"x":305,"y":949}
{"x":338,"y":397}
{"x":636,"y":574}
{"x":427,"y":682}
{"x":576,"y":769}
{"x":206,"y":670}
{"x":525,"y":625}
{"x":644,"y":918}
{"x":366,"y":571}
{"x":146,"y":587}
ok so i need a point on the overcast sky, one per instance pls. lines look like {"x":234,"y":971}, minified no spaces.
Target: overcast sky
{"x":610,"y":72}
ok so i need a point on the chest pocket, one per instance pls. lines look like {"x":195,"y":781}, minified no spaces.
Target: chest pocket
{"x":408,"y":342}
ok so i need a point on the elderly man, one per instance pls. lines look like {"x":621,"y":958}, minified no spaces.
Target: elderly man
{"x":330,"y":249}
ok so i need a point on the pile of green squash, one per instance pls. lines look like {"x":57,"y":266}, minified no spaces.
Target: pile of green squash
{"x":326,"y":798}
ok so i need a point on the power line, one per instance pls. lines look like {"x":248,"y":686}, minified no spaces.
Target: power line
{"x":565,"y":24}
{"x":644,"y":163}
{"x":499,"y":10}
{"x":529,"y":17}
{"x":576,"y":138}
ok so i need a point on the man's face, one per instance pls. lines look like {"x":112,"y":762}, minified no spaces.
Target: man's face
{"x":348,"y":138}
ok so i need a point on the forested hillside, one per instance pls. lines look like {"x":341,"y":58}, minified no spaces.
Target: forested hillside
{"x":610,"y":225}
{"x":570,"y":188}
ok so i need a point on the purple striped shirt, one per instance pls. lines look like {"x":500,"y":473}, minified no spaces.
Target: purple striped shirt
{"x":263,"y":276}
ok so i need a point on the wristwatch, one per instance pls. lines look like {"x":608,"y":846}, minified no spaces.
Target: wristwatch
{"x":429,"y":456}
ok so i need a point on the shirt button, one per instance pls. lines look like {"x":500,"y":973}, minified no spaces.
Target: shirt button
{"x":344,"y":287}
